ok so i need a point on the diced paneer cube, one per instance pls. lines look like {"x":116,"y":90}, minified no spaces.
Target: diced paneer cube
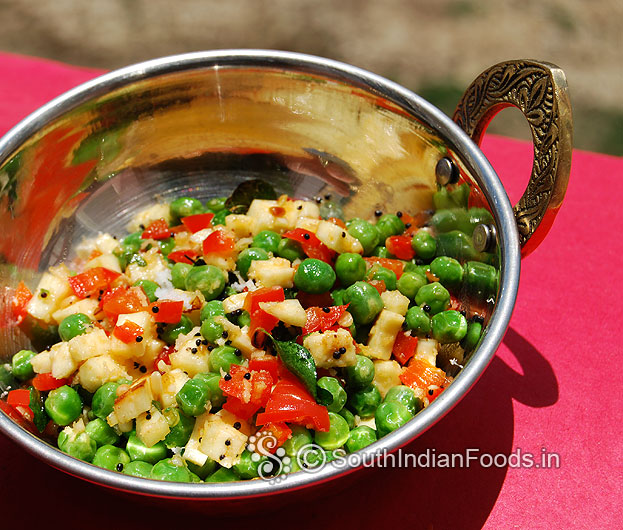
{"x":279,"y":215}
{"x":103,"y":243}
{"x":134,"y":401}
{"x":151,"y":427}
{"x":337,"y":238}
{"x":395,"y":301}
{"x":144,"y":319}
{"x":222,"y":442}
{"x":108,"y":261}
{"x":96,"y":371}
{"x":307,"y":223}
{"x":240,"y":225}
{"x":386,"y":375}
{"x":231,"y":419}
{"x":192,"y":452}
{"x":331,"y":348}
{"x":155,"y":267}
{"x":62,"y":363}
{"x":238,"y":336}
{"x":91,"y":344}
{"x":272,"y":272}
{"x":367,"y":422}
{"x":234,"y":302}
{"x":147,"y":216}
{"x":88,"y":306}
{"x":383,"y":334}
{"x":188,"y":356}
{"x":290,"y":312}
{"x":427,"y":350}
{"x":172,"y":382}
{"x":42,"y":362}
{"x":47,"y":298}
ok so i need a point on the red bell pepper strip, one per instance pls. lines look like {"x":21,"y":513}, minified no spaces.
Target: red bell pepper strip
{"x":183,"y":256}
{"x":420,"y":374}
{"x":164,"y":357}
{"x":197,"y":222}
{"x":123,"y":300}
{"x":268,"y":363}
{"x":45,"y":382}
{"x":400,"y":246}
{"x":312,"y":246}
{"x":219,"y":243}
{"x":279,"y":432}
{"x":20,"y":300}
{"x":247,"y":391}
{"x":158,"y":229}
{"x":167,"y":311}
{"x":322,"y":318}
{"x":392,"y":264}
{"x":379,"y":285}
{"x":260,"y":319}
{"x":337,"y":221}
{"x":433,"y":392}
{"x":92,"y":281}
{"x":20,"y":400}
{"x":290,"y":402}
{"x":404,"y":347}
{"x":128,"y":332}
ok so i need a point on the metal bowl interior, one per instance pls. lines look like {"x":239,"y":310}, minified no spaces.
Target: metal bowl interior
{"x":199,"y":124}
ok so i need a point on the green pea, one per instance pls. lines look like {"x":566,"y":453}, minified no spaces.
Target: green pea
{"x":404,"y":395}
{"x":348,"y":416}
{"x":390,"y":416}
{"x":133,"y":241}
{"x":179,"y":271}
{"x":172,"y":331}
{"x":449,"y":326}
{"x":212,"y":381}
{"x":350,"y":268}
{"x":82,"y":446}
{"x":212,"y":309}
{"x":247,"y":468}
{"x":456,"y":198}
{"x":365,"y":401}
{"x":111,"y":458}
{"x":268,"y":240}
{"x":381,"y":252}
{"x":418,"y":321}
{"x":193,"y":397}
{"x":166,"y":246}
{"x":314,"y":276}
{"x":448,"y":270}
{"x":185,"y":206}
{"x":410,"y":283}
{"x":424,"y":245}
{"x":63,"y":405}
{"x":389,"y":225}
{"x":219,"y":217}
{"x":73,"y":325}
{"x":290,"y":249}
{"x":474,"y":330}
{"x":21,"y":365}
{"x":247,"y":256}
{"x":139,"y":451}
{"x":364,"y":301}
{"x":336,"y":436}
{"x":360,"y":437}
{"x":338,"y":296}
{"x":435,"y":296}
{"x":331,"y":394}
{"x":451,"y":219}
{"x":222,"y":358}
{"x":211,"y":330}
{"x":480,"y":279}
{"x":208,"y":279}
{"x":216,"y":204}
{"x":104,"y":399}
{"x":244,"y":319}
{"x":457,"y":245}
{"x":386,"y":276}
{"x":367,"y":234}
{"x":101,"y":433}
{"x":149,"y":288}
{"x":360,"y":374}
{"x":300,"y":438}
{"x":138,"y":468}
{"x":181,"y":427}
{"x":167,"y":470}
{"x":203,"y":471}
{"x":222,"y":475}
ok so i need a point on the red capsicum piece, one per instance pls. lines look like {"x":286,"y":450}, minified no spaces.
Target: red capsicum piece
{"x":280,"y":432}
{"x":167,"y":311}
{"x":404,"y":347}
{"x":183,"y":256}
{"x":20,"y":400}
{"x":45,"y":382}
{"x":267,"y":363}
{"x":392,"y":264}
{"x":247,"y":391}
{"x":20,"y":300}
{"x":123,"y":300}
{"x":164,"y":357}
{"x":322,"y":318}
{"x":158,"y":229}
{"x":128,"y":332}
{"x":92,"y":281}
{"x":260,"y":319}
{"x":312,"y":246}
{"x":420,"y":374}
{"x":219,"y":243}
{"x":197,"y":222}
{"x":400,"y":246}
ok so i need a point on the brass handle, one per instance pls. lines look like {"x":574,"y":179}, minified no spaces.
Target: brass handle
{"x":539,"y":91}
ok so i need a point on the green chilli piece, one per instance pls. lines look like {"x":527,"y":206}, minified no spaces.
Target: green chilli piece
{"x":63,"y":405}
{"x":73,"y":325}
{"x":81,"y":446}
{"x":404,"y":395}
{"x":139,"y":451}
{"x":207,"y":279}
{"x":331,"y":394}
{"x":448,"y":270}
{"x":389,"y":225}
{"x":418,"y":321}
{"x":435,"y":296}
{"x":314,"y":276}
{"x":390,"y":416}
{"x":336,"y":436}
{"x":449,"y":326}
{"x":365,"y":401}
{"x":364,"y":301}
{"x":179,"y":271}
{"x":367,"y":234}
{"x":248,"y":256}
{"x":149,"y":288}
{"x":21,"y":366}
{"x":299,"y":361}
{"x":138,"y":468}
{"x":101,"y":433}
{"x":111,"y":458}
{"x":193,"y":397}
{"x":267,"y":240}
{"x":290,"y":249}
{"x":410,"y":283}
{"x":350,"y":268}
{"x":185,"y":206}
{"x":360,"y":374}
{"x":167,"y":470}
{"x":424,"y":244}
{"x":223,"y":357}
{"x":360,"y":437}
{"x":171,"y":332}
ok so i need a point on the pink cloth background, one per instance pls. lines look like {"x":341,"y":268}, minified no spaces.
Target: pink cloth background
{"x":553,"y":385}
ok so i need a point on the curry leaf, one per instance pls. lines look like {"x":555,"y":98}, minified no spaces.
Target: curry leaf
{"x":241,"y":198}
{"x":299,"y":361}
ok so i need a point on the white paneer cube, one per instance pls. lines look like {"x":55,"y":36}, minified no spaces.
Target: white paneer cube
{"x":238,"y":336}
{"x":290,"y":312}
{"x":155,"y":267}
{"x":338,"y":238}
{"x":108,"y":261}
{"x":151,"y":427}
{"x":62,"y":363}
{"x":221,"y":442}
{"x":189,"y":356}
{"x":383,"y":334}
{"x":91,"y":344}
{"x":88,"y":306}
{"x":234,"y":302}
{"x":42,"y":362}
{"x":171,"y":383}
{"x":96,"y":371}
{"x":192,"y":452}
{"x":331,"y":348}
{"x":148,"y":216}
{"x":274,"y":272}
{"x":240,"y":225}
{"x":134,"y":401}
{"x":308,"y":223}
{"x":48,"y":296}
{"x":104,"y":243}
{"x":395,"y":301}
{"x":427,"y":350}
{"x":386,"y":375}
